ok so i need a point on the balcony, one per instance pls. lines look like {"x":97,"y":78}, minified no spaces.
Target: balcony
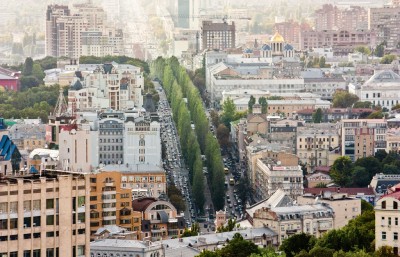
{"x":109,"y":184}
{"x":291,"y":231}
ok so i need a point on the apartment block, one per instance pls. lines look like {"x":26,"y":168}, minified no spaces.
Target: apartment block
{"x":218,"y":35}
{"x":344,"y":207}
{"x":330,"y":17}
{"x":315,"y":142}
{"x":342,"y":41}
{"x":45,"y":215}
{"x":271,"y":175}
{"x":80,"y":30}
{"x":111,"y":204}
{"x":385,"y":21}
{"x":363,"y":137}
{"x":285,"y":218}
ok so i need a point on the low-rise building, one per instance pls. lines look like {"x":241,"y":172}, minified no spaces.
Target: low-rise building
{"x":365,"y":193}
{"x":280,"y":214}
{"x":28,"y":136}
{"x":160,"y":219}
{"x":45,"y":215}
{"x":381,"y":183}
{"x":318,"y":178}
{"x":344,"y":207}
{"x":334,"y":114}
{"x":123,"y":247}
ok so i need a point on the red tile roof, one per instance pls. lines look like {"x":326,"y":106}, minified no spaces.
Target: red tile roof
{"x":142,"y":203}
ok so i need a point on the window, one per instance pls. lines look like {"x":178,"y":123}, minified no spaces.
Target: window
{"x":50,"y":204}
{"x":383,"y":204}
{"x":390,"y":221}
{"x":395,"y":236}
{"x":49,"y":220}
{"x":395,"y":206}
{"x":396,"y":221}
{"x":383,"y":235}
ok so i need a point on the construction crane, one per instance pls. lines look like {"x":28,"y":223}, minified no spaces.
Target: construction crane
{"x":214,"y":17}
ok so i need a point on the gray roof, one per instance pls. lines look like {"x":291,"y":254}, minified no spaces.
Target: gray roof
{"x":120,"y":243}
{"x":133,"y":168}
{"x":182,"y":251}
{"x":4,"y":76}
{"x":215,"y":238}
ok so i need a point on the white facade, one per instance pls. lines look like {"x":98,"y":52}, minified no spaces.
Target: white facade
{"x":78,"y":150}
{"x":110,"y":86}
{"x":122,"y":247}
{"x":382,"y":89}
{"x":142,"y":143}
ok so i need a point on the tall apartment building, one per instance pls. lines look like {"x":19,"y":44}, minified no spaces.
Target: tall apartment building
{"x":111,"y":204}
{"x":45,"y":215}
{"x":218,"y":35}
{"x":385,"y":21}
{"x":363,"y":137}
{"x":387,"y":228}
{"x":188,"y":14}
{"x":65,"y":28}
{"x":330,"y":17}
{"x":326,"y":18}
{"x":290,"y":30}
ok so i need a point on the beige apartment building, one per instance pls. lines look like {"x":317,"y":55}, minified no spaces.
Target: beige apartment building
{"x":280,"y":214}
{"x":315,"y":143}
{"x":45,"y":216}
{"x":271,"y":175}
{"x":387,"y":216}
{"x":393,"y":140}
{"x":289,"y":108}
{"x":344,"y":207}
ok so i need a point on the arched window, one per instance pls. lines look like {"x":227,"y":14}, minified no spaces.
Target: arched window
{"x":142,"y":142}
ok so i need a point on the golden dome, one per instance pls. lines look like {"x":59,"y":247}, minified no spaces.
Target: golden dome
{"x":277,"y":38}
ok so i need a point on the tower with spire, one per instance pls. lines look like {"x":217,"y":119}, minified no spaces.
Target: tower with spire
{"x":59,"y":120}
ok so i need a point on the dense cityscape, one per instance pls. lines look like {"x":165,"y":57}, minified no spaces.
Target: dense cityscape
{"x":224,"y":128}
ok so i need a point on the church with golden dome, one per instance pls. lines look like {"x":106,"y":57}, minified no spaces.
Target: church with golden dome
{"x":275,"y":48}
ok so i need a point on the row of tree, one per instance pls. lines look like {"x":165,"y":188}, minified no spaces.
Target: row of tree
{"x":188,"y":110}
{"x":345,"y":173}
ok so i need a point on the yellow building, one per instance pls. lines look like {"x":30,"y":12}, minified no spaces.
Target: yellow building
{"x":110,"y":204}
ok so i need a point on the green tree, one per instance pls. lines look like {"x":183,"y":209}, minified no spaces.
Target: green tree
{"x":366,"y":206}
{"x":376,"y":115}
{"x":37,"y":72}
{"x":317,"y":116}
{"x":252,"y":101}
{"x":229,"y":110}
{"x":390,"y":169}
{"x":207,"y":253}
{"x":360,"y":177}
{"x":380,"y":50}
{"x":361,"y":104}
{"x":388,"y":58}
{"x":341,"y":171}
{"x":28,"y":82}
{"x":396,"y":107}
{"x":380,"y":155}
{"x":264,"y":105}
{"x":266,"y":252}
{"x":372,"y":166}
{"x":385,"y":251}
{"x":214,"y":118}
{"x":229,"y":227}
{"x":239,"y":247}
{"x":322,"y":62}
{"x":244,"y":189}
{"x":343,"y":99}
{"x":193,"y":231}
{"x":319,"y":251}
{"x":175,"y":197}
{"x":296,"y":243}
{"x":363,"y":49}
{"x":321,"y":185}
{"x":223,"y":135}
{"x":28,"y":66}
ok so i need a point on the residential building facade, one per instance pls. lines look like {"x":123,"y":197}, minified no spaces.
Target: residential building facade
{"x":46,"y":215}
{"x":218,"y":35}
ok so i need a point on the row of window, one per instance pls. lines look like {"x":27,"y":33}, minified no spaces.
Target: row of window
{"x":395,"y":235}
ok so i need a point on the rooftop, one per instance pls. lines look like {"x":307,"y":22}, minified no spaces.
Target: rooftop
{"x":138,"y":168}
